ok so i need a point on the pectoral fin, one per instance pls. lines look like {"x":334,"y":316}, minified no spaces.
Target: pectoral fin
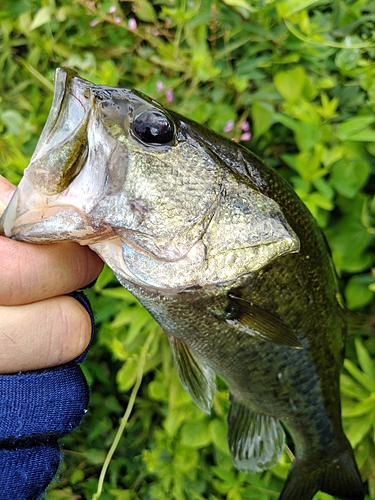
{"x":256,"y":441}
{"x":196,"y":378}
{"x":256,"y":321}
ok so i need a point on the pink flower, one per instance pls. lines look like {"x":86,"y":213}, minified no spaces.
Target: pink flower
{"x":95,"y":22}
{"x":117,"y":19}
{"x":132,"y":24}
{"x":246,"y":136}
{"x":228,"y":126}
{"x":159,"y":85}
{"x":112,"y":9}
{"x":245,"y":126}
{"x":169,"y":95}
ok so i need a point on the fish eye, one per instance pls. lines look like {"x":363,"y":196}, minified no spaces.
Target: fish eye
{"x":153,"y":127}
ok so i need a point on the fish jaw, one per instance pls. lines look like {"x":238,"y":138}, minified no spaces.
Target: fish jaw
{"x":29,"y":218}
{"x":62,"y":184}
{"x":38,"y":212}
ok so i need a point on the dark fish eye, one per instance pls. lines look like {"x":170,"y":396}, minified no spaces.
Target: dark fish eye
{"x":153,"y":127}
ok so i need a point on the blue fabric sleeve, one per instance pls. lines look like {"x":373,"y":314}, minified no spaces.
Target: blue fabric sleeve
{"x":36,"y":409}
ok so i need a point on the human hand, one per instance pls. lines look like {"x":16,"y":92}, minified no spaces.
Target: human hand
{"x":41,"y":327}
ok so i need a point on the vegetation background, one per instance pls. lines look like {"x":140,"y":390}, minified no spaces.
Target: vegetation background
{"x":294,"y":80}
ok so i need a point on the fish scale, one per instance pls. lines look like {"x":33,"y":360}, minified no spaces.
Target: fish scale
{"x":224,"y":255}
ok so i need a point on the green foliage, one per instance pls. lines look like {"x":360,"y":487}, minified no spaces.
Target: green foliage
{"x":301,"y":73}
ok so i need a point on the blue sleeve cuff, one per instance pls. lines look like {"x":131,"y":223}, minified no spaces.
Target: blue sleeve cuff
{"x":37,"y":408}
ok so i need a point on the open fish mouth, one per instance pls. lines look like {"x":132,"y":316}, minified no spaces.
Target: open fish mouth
{"x":46,"y":205}
{"x":28,"y":218}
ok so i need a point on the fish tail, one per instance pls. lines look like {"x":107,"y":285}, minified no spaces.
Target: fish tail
{"x":339,"y":477}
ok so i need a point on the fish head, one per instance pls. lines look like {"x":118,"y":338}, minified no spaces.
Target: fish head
{"x":114,"y":170}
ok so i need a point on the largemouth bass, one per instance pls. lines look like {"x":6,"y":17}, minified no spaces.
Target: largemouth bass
{"x":220,"y":250}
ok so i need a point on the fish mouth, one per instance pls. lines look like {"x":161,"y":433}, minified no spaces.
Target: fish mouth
{"x":29,"y":218}
{"x":45,"y":206}
{"x":62,"y":148}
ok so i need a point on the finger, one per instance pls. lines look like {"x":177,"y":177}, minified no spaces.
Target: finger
{"x":35,"y":272}
{"x":42,"y":335}
{"x":6,"y":191}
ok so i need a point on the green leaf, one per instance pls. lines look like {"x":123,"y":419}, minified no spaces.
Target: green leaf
{"x":42,"y":16}
{"x":329,"y":107}
{"x":332,"y":154}
{"x":127,"y":374}
{"x":158,"y":390}
{"x":95,"y":456}
{"x":362,"y":378}
{"x":320,"y":201}
{"x":351,"y":388}
{"x":287,"y":121}
{"x":349,"y":237}
{"x":118,"y":292}
{"x":346,"y":130}
{"x":262,"y":115}
{"x":309,"y":166}
{"x":307,"y":135}
{"x":347,"y":59}
{"x":203,"y":64}
{"x":348,"y":176}
{"x":144,"y":11}
{"x":365,"y":361}
{"x":357,"y":293}
{"x":218,"y":435}
{"x":77,"y":476}
{"x":224,"y":474}
{"x":366,"y":135}
{"x":105,"y":277}
{"x":358,"y":430}
{"x":363,"y":408}
{"x":242,"y":4}
{"x":13,"y":120}
{"x":195,"y":434}
{"x":290,"y":83}
{"x":287,"y":9}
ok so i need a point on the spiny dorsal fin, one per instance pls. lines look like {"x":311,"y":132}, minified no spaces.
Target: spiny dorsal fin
{"x":196,"y":378}
{"x":256,"y":321}
{"x":256,"y":441}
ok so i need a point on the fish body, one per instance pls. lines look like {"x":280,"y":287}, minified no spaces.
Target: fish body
{"x":224,"y":255}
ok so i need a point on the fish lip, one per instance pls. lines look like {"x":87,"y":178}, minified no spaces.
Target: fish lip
{"x":58,"y":155}
{"x":62,"y":85}
{"x":29,"y":218}
{"x":20,"y":224}
{"x":59,"y":91}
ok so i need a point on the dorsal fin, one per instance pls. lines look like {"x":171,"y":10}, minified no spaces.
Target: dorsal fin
{"x":196,"y":378}
{"x":256,"y":441}
{"x":256,"y":321}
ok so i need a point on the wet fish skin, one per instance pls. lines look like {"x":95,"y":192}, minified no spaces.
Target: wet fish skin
{"x":221,"y":251}
{"x":298,"y":386}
